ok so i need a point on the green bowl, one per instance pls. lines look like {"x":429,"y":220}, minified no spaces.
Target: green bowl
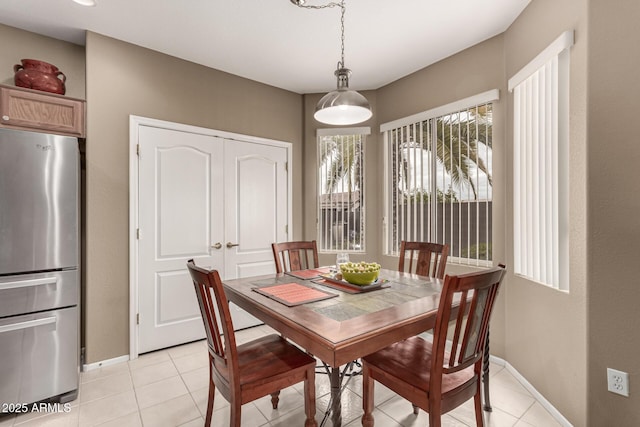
{"x":361,"y":279}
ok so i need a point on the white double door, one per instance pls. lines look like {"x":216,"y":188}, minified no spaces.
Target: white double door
{"x":218,"y":201}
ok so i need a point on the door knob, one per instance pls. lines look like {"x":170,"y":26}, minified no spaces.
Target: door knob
{"x":230,"y":245}
{"x":217,"y":246}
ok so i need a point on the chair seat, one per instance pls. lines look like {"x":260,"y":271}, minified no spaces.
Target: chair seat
{"x":410,"y":362}
{"x":268,"y":357}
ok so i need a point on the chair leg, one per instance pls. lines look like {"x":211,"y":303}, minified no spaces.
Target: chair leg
{"x":435,"y":419}
{"x":236,"y":412}
{"x":275,"y":398}
{"x":367,"y":396}
{"x":485,"y":375}
{"x":212,"y":394}
{"x":310,"y":398}
{"x":477,"y":400}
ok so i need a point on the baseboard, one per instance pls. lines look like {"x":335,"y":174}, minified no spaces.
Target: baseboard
{"x":97,"y":365}
{"x":531,"y":389}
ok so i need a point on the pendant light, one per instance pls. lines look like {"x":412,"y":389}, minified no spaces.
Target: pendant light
{"x":342,"y":106}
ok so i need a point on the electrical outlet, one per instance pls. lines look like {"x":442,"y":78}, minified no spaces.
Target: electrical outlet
{"x":618,"y":382}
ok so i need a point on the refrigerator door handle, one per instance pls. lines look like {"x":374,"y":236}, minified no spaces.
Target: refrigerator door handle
{"x":28,"y":324}
{"x":27,"y":283}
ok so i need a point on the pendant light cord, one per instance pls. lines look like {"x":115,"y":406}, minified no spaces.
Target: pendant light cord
{"x":342,"y":6}
{"x":342,"y":31}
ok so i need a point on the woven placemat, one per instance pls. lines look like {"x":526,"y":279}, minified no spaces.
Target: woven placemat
{"x":310,"y":273}
{"x":292,"y":294}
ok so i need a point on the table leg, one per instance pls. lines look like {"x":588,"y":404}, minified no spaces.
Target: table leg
{"x":485,"y":375}
{"x":336,"y":408}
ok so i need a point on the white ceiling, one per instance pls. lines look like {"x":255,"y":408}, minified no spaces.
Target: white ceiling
{"x":277,"y":43}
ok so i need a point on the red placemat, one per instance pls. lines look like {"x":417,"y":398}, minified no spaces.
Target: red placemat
{"x":291,"y":294}
{"x":310,"y":273}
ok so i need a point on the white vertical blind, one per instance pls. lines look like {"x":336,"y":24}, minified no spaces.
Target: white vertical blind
{"x":439,"y":169}
{"x":540,"y":172}
{"x":341,"y":201}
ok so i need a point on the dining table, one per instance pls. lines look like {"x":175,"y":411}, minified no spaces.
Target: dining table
{"x":339,"y":323}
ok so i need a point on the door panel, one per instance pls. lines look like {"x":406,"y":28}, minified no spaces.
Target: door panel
{"x":171,"y":306}
{"x":256,"y":206}
{"x":183,"y":190}
{"x":178,"y":220}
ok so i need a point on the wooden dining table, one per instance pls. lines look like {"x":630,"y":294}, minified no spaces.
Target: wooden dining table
{"x":347,"y":326}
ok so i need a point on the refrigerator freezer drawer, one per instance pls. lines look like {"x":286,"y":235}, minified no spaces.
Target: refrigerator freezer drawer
{"x":26,"y":293}
{"x":40,"y":356}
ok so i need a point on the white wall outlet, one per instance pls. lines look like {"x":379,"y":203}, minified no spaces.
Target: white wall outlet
{"x":618,"y":382}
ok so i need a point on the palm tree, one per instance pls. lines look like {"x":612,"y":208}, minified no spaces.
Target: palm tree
{"x":341,"y":158}
{"x":463,"y":134}
{"x":457,"y":141}
{"x":345,"y":157}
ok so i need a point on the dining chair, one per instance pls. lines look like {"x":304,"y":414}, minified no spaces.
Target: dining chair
{"x":246,"y":372}
{"x":427,"y":374}
{"x":425,"y":258}
{"x":293,"y":256}
{"x":421,"y":255}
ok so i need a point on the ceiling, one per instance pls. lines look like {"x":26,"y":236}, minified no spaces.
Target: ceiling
{"x":276,"y":42}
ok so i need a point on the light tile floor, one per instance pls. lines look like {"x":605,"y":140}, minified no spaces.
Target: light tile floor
{"x":169,"y":388}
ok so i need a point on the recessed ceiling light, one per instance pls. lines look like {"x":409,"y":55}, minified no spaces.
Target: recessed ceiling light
{"x":86,"y":2}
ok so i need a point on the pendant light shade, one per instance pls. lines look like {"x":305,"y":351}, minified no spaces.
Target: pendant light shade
{"x":342,"y":106}
{"x":90,"y":3}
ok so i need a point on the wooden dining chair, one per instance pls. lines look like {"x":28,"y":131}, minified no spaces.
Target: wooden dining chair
{"x":425,"y":373}
{"x":246,"y":372}
{"x":424,"y":258}
{"x":293,"y":256}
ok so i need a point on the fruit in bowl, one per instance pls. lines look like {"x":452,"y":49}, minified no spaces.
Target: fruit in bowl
{"x":360,"y":273}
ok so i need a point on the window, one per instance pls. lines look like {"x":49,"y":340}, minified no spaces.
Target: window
{"x":341,"y":220}
{"x":438,"y":173}
{"x":540,"y":166}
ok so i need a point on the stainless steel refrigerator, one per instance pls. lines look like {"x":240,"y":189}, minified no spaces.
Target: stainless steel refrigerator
{"x":39,"y":267}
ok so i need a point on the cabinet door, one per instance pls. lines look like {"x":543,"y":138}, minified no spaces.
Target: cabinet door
{"x":32,"y":110}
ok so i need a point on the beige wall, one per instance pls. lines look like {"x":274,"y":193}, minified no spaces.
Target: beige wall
{"x":19,"y":44}
{"x":124,"y":79}
{"x":613,"y":206}
{"x":546,"y":330}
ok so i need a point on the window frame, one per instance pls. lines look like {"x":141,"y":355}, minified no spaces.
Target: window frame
{"x":362,"y":132}
{"x":488,"y":97}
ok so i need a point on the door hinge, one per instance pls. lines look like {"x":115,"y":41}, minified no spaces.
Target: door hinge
{"x":138,"y":233}
{"x":138,"y":149}
{"x":286,"y":229}
{"x":137,"y":318}
{"x":286,"y":166}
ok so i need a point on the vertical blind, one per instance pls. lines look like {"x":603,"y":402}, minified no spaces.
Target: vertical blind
{"x":540,"y":173}
{"x":439,"y":183}
{"x":341,"y":219}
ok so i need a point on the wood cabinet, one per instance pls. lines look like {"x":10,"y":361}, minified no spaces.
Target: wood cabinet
{"x":34,"y":110}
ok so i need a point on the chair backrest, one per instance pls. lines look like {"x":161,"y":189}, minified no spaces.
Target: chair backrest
{"x":431,"y":258}
{"x":476,"y":294}
{"x":210,"y":293}
{"x":294,"y":256}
